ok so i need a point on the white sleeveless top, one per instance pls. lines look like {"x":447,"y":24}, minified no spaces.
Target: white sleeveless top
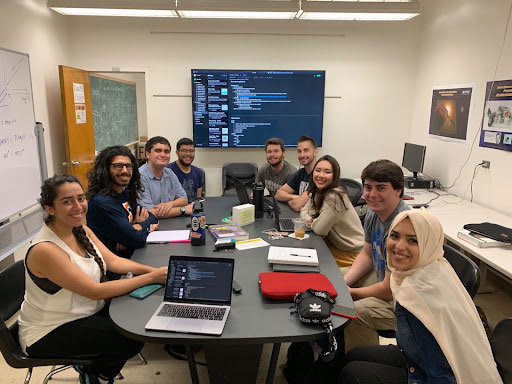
{"x":42,"y":312}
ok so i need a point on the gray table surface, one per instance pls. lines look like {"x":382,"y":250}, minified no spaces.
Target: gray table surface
{"x":253,"y":318}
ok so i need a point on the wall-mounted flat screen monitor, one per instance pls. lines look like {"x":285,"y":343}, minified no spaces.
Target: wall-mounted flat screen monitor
{"x":414,"y":157}
{"x":235,"y":108}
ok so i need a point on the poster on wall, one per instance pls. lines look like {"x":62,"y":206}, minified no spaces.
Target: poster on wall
{"x":497,"y":122}
{"x":450,"y":112}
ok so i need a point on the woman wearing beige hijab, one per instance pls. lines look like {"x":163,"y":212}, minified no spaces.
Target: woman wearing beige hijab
{"x":439,"y":333}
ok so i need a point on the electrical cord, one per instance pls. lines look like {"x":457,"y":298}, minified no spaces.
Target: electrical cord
{"x":473,"y":178}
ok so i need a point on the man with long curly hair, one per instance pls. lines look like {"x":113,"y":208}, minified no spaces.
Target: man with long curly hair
{"x":114,"y":214}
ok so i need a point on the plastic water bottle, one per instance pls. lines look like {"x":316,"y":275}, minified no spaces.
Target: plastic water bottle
{"x":197,"y":225}
{"x":257,"y":194}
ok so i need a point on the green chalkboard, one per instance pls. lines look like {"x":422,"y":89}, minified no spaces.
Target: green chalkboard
{"x":114,"y":112}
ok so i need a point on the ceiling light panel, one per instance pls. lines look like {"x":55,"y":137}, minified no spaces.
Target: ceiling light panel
{"x":237,"y":15}
{"x":357,"y":16}
{"x":115,"y":12}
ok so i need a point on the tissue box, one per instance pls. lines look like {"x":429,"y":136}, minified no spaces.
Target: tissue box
{"x":243,"y":214}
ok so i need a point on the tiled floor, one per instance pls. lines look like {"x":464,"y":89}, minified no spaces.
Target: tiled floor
{"x":162,"y":368}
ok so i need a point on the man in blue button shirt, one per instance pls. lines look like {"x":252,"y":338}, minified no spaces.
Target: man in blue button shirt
{"x":163,"y":193}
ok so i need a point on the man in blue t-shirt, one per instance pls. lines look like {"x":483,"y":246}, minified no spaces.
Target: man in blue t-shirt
{"x":294,"y":192}
{"x":190,"y":177}
{"x":368,"y":278}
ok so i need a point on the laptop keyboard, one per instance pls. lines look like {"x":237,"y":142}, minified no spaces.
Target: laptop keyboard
{"x":286,"y":224}
{"x":192,"y":312}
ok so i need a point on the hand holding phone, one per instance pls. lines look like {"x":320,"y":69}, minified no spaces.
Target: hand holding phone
{"x":340,"y":310}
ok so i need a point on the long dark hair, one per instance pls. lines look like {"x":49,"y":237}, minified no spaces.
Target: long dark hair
{"x":317,"y":195}
{"x":49,"y":192}
{"x":100,"y":179}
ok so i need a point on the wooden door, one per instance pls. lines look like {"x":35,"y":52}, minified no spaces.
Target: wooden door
{"x":75,"y":93}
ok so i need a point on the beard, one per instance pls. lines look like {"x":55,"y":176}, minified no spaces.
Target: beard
{"x":183,"y":163}
{"x":278,"y":162}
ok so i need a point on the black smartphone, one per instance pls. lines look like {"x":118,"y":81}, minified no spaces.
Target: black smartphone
{"x":343,"y":311}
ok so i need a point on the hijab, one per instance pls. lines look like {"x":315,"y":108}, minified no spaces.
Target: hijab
{"x":433,"y":293}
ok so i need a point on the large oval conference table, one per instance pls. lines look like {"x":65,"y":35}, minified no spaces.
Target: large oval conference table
{"x":254,"y":320}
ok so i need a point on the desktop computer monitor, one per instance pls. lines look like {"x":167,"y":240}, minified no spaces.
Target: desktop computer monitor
{"x":414,"y":157}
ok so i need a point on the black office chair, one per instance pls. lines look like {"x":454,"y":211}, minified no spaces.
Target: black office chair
{"x":12,"y":286}
{"x":501,"y":339}
{"x":467,"y":271}
{"x":354,"y":189}
{"x":244,"y":172}
{"x":203,"y":179}
{"x":465,"y":268}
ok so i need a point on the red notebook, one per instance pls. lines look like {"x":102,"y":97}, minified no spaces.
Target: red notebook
{"x":284,"y":286}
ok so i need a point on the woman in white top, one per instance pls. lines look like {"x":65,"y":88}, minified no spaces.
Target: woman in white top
{"x":64,"y":312}
{"x":330,"y":213}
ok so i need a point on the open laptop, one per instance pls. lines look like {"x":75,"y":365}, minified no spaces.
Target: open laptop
{"x":283,"y":224}
{"x":197,"y":296}
{"x":243,"y":196}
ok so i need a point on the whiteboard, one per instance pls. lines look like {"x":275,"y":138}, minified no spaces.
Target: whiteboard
{"x":20,"y":174}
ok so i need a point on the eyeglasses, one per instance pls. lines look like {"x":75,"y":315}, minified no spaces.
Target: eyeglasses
{"x":120,"y":166}
{"x":187,"y":150}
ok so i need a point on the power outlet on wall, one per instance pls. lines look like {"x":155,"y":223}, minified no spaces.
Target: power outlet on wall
{"x":486,"y":164}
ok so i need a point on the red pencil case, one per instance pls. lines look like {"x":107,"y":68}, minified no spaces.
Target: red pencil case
{"x":284,"y":286}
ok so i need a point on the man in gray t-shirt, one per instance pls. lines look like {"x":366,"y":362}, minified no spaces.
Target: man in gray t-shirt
{"x":277,"y":171}
{"x":368,"y":278}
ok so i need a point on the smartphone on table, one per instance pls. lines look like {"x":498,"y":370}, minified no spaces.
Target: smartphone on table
{"x":343,"y":311}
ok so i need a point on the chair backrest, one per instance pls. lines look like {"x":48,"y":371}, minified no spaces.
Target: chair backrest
{"x":12,"y":286}
{"x":501,"y":339}
{"x":354,"y":189}
{"x":466,"y":269}
{"x":203,"y":179}
{"x":245,"y":172}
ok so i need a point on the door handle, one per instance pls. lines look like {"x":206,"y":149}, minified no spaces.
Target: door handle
{"x":73,"y":163}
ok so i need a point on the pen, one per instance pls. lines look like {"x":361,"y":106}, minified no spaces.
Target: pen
{"x":295,"y":254}
{"x":170,"y":242}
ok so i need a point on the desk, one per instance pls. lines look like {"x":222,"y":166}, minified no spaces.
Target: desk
{"x":453,"y":213}
{"x":253,"y":321}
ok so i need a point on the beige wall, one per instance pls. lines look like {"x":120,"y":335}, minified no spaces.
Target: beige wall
{"x":460,"y":42}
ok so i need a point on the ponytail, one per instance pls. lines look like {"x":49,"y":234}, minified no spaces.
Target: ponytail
{"x":84,"y":241}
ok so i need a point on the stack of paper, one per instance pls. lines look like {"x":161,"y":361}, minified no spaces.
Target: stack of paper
{"x":161,"y":237}
{"x":294,"y":256}
{"x":480,"y":241}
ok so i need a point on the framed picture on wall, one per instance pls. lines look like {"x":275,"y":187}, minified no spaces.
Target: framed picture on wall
{"x":451,"y":111}
{"x":497,"y":122}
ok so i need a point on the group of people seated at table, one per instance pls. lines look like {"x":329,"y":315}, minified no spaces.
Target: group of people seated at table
{"x":393,"y":265}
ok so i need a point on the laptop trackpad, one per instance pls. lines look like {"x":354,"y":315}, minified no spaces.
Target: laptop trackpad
{"x":187,"y":325}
